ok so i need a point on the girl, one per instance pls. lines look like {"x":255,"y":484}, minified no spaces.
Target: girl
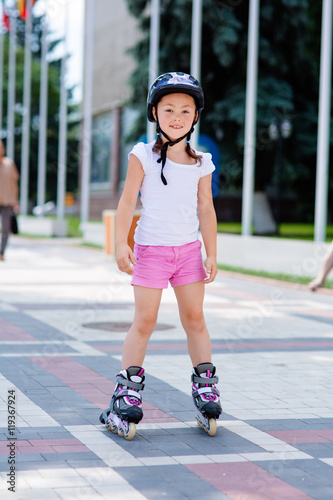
{"x":175,"y":186}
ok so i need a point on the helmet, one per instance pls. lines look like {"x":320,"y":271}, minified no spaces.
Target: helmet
{"x":172,"y":83}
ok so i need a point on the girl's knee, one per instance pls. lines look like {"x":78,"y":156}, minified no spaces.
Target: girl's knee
{"x":193,"y":320}
{"x":146,"y":323}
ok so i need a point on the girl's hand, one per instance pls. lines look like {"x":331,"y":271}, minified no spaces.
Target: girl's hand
{"x":125,"y":259}
{"x":211,"y":269}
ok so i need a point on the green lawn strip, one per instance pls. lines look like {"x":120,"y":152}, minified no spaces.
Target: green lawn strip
{"x":91,"y":245}
{"x":302,"y":280}
{"x":287,"y":230}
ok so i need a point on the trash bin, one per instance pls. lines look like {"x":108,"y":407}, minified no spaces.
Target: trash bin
{"x":109,"y":220}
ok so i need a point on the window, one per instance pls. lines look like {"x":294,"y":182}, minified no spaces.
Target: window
{"x":101,"y":148}
{"x":128,"y":118}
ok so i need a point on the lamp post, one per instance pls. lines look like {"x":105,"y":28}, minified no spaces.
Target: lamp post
{"x":278,"y":130}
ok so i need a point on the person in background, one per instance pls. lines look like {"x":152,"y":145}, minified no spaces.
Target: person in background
{"x":9,"y":177}
{"x":325,"y":268}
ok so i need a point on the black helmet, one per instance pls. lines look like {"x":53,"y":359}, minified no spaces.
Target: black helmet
{"x":172,"y":83}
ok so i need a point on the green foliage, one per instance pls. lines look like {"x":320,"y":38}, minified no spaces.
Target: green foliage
{"x":288,"y":80}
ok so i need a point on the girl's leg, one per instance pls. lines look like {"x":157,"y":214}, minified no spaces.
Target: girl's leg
{"x":190,"y":303}
{"x":325,"y":268}
{"x":147,"y":302}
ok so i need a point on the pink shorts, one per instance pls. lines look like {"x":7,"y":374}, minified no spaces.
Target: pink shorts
{"x":156,"y":266}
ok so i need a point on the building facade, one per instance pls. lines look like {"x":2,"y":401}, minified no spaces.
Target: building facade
{"x":115,"y":31}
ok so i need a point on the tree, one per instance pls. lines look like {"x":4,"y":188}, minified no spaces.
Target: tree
{"x":52,"y":113}
{"x":287,"y":82}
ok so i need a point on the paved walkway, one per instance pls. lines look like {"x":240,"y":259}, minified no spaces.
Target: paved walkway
{"x":272,"y":344}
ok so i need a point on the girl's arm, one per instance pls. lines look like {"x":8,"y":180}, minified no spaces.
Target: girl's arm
{"x":125,"y":211}
{"x":208,"y":224}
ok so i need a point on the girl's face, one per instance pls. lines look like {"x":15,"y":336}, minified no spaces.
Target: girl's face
{"x":176,"y":114}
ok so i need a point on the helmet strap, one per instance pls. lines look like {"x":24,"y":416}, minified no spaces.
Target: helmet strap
{"x":165,"y":146}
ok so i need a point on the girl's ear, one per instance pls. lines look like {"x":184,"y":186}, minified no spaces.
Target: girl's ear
{"x":154,"y":113}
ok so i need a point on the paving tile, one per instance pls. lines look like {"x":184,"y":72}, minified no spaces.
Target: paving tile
{"x":328,"y":461}
{"x":26,"y":457}
{"x":161,"y":482}
{"x":31,"y":465}
{"x":35,"y":494}
{"x":77,"y":492}
{"x":77,"y":464}
{"x":54,"y":457}
{"x":316,"y":450}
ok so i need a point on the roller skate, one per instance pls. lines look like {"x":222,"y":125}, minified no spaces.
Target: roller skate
{"x":126,"y":403}
{"x":206,"y":397}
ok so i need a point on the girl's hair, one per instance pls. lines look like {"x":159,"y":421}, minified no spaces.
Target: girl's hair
{"x":157,"y":148}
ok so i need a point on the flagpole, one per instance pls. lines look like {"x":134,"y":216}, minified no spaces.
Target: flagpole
{"x":196,"y":53}
{"x":41,"y":177}
{"x":87,"y":111}
{"x":62,"y":170}
{"x":25,"y":149}
{"x":250,"y":118}
{"x":1,"y":79}
{"x":11,"y":87}
{"x":153,"y":56}
{"x":323,"y":148}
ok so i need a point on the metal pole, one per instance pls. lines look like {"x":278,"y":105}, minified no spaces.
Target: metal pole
{"x":250,"y":118}
{"x":196,"y":53}
{"x":41,"y":178}
{"x":87,"y":118}
{"x":279,"y":165}
{"x":11,"y":87}
{"x":1,"y":79}
{"x":62,"y":167}
{"x":324,"y":123}
{"x":153,"y":56}
{"x":25,"y":149}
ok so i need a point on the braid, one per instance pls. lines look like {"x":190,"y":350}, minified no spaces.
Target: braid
{"x":158,"y":146}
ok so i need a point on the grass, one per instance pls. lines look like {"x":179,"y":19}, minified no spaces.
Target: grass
{"x":292,"y":230}
{"x":92,"y":245}
{"x":301,"y":280}
{"x":287,"y":230}
{"x":73,"y":226}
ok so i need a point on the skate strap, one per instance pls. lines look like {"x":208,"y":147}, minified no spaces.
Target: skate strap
{"x":203,"y":390}
{"x":129,"y":383}
{"x":204,"y":380}
{"x":125,"y":392}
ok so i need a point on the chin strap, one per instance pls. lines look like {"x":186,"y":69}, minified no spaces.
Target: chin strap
{"x":165,"y":148}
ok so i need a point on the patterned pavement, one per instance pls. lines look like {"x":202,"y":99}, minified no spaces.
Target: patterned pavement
{"x":63,"y":312}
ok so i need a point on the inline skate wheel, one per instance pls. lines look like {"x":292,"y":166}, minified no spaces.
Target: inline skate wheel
{"x":130,"y":432}
{"x":212,"y":427}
